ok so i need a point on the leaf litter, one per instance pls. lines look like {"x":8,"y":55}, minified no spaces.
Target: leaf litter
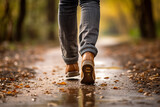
{"x":142,"y":63}
{"x":14,"y":72}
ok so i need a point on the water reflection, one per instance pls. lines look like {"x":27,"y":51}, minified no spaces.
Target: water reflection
{"x":78,"y":97}
{"x":87,"y":97}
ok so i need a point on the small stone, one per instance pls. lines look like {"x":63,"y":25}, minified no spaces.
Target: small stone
{"x":88,"y":103}
{"x":34,"y":99}
{"x":89,"y":94}
{"x":79,"y":97}
{"x":129,"y":71}
{"x":52,"y":104}
{"x":101,"y":97}
{"x":147,"y":94}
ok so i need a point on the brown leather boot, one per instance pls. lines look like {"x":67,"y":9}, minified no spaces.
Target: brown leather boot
{"x":87,"y":68}
{"x":72,"y":70}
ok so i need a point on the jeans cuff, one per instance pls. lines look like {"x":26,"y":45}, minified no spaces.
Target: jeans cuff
{"x":89,"y":48}
{"x":70,"y":60}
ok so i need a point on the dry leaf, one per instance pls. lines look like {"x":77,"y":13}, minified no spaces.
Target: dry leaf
{"x":103,"y":84}
{"x":106,"y":77}
{"x":53,"y":82}
{"x":62,"y":83}
{"x":47,"y":92}
{"x":53,"y":70}
{"x":62,"y":89}
{"x":27,"y":86}
{"x":21,"y":84}
{"x":115,"y":88}
{"x":116,"y":81}
{"x":44,"y":72}
{"x":140,"y":90}
{"x":98,"y":78}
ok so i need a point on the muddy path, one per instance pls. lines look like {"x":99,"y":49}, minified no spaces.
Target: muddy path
{"x":50,"y":88}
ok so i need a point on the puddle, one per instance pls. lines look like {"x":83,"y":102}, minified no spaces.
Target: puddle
{"x":75,"y":97}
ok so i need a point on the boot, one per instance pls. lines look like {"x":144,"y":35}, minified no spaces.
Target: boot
{"x":72,"y":70}
{"x":87,"y":68}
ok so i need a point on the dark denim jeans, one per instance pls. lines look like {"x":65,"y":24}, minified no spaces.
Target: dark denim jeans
{"x":88,"y":30}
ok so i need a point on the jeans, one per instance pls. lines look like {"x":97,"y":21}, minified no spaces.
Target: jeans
{"x":88,"y":30}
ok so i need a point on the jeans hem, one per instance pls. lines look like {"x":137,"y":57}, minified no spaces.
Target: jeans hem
{"x":70,"y":60}
{"x":91,"y":49}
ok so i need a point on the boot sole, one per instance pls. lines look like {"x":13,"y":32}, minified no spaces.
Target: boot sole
{"x":72,"y":74}
{"x":88,"y":70}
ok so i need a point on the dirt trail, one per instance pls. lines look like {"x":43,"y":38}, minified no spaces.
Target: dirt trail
{"x":51,"y":88}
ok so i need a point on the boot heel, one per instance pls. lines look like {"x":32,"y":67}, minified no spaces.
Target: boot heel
{"x":88,"y":70}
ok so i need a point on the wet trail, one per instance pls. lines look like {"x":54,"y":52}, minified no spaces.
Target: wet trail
{"x":51,"y":89}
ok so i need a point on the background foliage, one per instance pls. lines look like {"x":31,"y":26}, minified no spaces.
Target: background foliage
{"x":40,"y":19}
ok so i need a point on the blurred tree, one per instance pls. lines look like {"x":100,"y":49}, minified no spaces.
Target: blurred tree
{"x":51,"y":13}
{"x":6,"y":26}
{"x":20,"y":21}
{"x":143,"y":11}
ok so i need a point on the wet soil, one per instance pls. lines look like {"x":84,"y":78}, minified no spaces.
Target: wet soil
{"x":50,"y":88}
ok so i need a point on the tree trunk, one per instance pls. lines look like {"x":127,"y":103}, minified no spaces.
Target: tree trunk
{"x":51,"y":18}
{"x":143,"y":11}
{"x":22,"y":13}
{"x":6,"y":26}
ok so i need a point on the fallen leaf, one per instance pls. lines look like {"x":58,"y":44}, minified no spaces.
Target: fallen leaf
{"x":27,"y":86}
{"x":116,"y":81}
{"x":44,"y":72}
{"x":106,"y":77}
{"x":53,"y":70}
{"x":62,"y":83}
{"x":98,"y":78}
{"x":21,"y":84}
{"x":140,"y":90}
{"x":9,"y":92}
{"x":103,"y":84}
{"x":62,"y":89}
{"x":16,"y":86}
{"x":53,"y":82}
{"x":47,"y":92}
{"x":116,"y":88}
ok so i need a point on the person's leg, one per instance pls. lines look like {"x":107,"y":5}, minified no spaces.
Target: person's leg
{"x":68,"y":35}
{"x":89,"y":29}
{"x":67,"y":18}
{"x":89,"y":26}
